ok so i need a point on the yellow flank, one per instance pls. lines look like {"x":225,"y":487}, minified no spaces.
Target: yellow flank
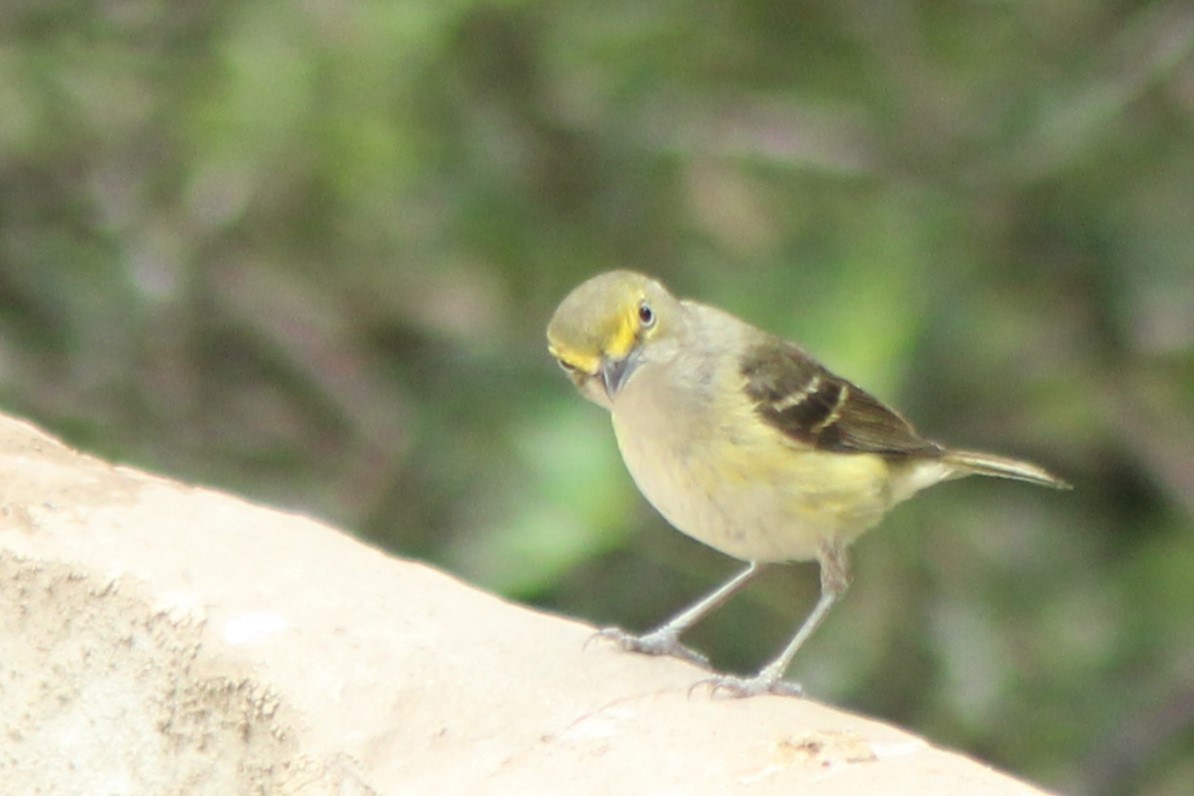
{"x":758,"y":500}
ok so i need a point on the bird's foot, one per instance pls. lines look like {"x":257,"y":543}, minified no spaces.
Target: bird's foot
{"x":659,"y":642}
{"x":740,"y":687}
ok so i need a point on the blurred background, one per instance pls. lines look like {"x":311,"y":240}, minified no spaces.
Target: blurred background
{"x":305,"y":251}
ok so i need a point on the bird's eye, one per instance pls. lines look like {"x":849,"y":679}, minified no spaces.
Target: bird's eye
{"x":646,"y":315}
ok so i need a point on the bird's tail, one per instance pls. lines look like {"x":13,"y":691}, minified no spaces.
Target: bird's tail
{"x":1003,"y":467}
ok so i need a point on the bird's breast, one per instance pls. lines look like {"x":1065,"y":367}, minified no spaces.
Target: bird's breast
{"x":741,"y":489}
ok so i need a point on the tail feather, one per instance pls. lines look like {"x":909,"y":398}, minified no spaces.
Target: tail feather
{"x":1003,"y":467}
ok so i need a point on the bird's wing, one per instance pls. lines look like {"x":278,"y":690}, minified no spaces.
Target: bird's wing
{"x":795,"y":394}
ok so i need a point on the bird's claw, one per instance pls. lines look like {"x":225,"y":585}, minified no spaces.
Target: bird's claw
{"x":656,"y":643}
{"x":741,"y":687}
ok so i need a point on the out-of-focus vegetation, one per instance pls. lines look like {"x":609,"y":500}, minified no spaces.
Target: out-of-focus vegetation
{"x":305,"y":251}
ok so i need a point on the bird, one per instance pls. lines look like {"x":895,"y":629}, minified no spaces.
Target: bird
{"x":742,"y":440}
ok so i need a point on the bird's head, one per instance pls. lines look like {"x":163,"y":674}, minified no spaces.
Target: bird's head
{"x":603,"y":330}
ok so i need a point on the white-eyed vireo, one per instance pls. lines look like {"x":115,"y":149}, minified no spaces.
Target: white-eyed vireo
{"x":746,"y":443}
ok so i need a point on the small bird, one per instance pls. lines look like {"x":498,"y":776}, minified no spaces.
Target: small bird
{"x":743,"y":441}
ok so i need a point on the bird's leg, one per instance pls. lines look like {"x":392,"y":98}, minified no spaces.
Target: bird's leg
{"x":665,"y":639}
{"x":835,"y":579}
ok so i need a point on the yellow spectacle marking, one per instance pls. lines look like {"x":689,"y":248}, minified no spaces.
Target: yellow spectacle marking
{"x":625,"y":337}
{"x":585,"y":363}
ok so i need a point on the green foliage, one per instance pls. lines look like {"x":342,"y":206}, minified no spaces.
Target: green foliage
{"x":306,"y":252}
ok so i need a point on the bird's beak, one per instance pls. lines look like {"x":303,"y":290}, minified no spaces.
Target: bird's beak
{"x":615,"y":372}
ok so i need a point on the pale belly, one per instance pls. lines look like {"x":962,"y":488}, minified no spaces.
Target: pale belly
{"x":783,"y":505}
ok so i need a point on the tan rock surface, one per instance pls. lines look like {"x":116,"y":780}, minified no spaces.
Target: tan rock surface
{"x":157,"y":638}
